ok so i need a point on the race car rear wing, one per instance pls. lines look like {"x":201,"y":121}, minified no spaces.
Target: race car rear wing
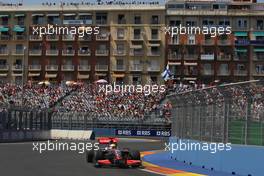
{"x":107,"y":140}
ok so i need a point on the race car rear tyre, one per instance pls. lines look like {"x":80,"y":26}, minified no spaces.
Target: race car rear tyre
{"x":99,"y":155}
{"x":135,"y":155}
{"x":90,"y":156}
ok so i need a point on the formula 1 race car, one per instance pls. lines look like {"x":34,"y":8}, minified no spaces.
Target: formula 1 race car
{"x":108,"y":154}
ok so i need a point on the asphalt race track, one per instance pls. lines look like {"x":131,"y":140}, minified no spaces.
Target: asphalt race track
{"x":18,"y":159}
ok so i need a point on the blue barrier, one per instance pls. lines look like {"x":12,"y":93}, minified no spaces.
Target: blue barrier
{"x":103,"y":132}
{"x":240,"y":160}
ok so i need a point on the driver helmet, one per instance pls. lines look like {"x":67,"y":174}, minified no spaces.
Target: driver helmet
{"x":113,"y":146}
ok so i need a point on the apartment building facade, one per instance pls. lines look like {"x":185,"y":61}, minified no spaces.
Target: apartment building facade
{"x":128,"y":49}
{"x":132,"y":46}
{"x":228,"y":58}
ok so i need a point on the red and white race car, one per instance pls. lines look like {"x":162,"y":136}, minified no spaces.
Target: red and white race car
{"x":109,"y":154}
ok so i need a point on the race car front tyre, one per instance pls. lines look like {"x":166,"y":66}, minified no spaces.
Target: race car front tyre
{"x":135,"y":155}
{"x":90,"y":156}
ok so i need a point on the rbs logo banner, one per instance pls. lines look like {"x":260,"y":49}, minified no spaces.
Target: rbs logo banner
{"x":157,"y":133}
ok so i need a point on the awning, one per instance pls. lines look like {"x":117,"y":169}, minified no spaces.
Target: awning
{"x":241,"y":50}
{"x":174,"y":63}
{"x":83,"y":76}
{"x":1,"y":16}
{"x":85,"y":14}
{"x":50,"y":75}
{"x":100,"y":74}
{"x":191,"y":63}
{"x":259,"y":33}
{"x":53,"y":15}
{"x":4,"y":29}
{"x":19,"y":15}
{"x":37,"y":14}
{"x":33,"y":74}
{"x":69,"y":14}
{"x":154,"y":44}
{"x":17,"y":74}
{"x":118,"y":75}
{"x":260,"y":50}
{"x":18,"y":29}
{"x":241,"y":34}
{"x":3,"y":74}
{"x":136,"y":46}
{"x":190,"y":79}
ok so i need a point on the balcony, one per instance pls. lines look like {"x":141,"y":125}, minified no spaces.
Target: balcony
{"x":224,"y":42}
{"x":137,"y":68}
{"x":101,"y":52}
{"x":4,"y":37}
{"x":190,"y":57}
{"x":242,"y":42}
{"x":84,"y":68}
{"x":4,"y":67}
{"x":67,"y":68}
{"x":154,"y":53}
{"x":102,"y":37}
{"x":4,"y":52}
{"x":17,"y":68}
{"x":191,"y":72}
{"x":136,"y":52}
{"x":119,"y":52}
{"x":258,"y":57}
{"x":52,"y":68}
{"x":174,"y":41}
{"x":35,"y":38}
{"x":153,"y":69}
{"x":175,"y":56}
{"x":68,"y":37}
{"x":34,"y":67}
{"x":35,"y":52}
{"x":240,"y":72}
{"x":101,"y":68}
{"x":224,"y":57}
{"x":85,"y":38}
{"x":18,"y":52}
{"x":241,"y":58}
{"x":257,"y":42}
{"x":86,"y":52}
{"x":68,"y":52}
{"x":20,"y":37}
{"x":119,"y":68}
{"x":52,"y":37}
{"x":207,"y":56}
{"x":223,"y":72}
{"x":208,"y":42}
{"x":53,"y":52}
{"x":137,"y":37}
{"x":207,"y":72}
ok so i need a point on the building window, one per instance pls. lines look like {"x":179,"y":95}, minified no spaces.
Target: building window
{"x":137,"y":33}
{"x":190,"y":23}
{"x":154,"y":34}
{"x":121,"y":19}
{"x":191,"y":39}
{"x":242,"y":23}
{"x":101,"y":18}
{"x":120,"y":33}
{"x":155,"y":19}
{"x":260,"y":24}
{"x":175,"y":22}
{"x":137,"y":19}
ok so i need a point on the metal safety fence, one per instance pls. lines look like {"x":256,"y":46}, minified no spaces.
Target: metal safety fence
{"x":226,"y":113}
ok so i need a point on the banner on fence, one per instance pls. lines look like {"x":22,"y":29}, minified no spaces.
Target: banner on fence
{"x":152,"y":133}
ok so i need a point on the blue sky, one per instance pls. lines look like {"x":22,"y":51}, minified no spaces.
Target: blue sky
{"x":40,"y":1}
